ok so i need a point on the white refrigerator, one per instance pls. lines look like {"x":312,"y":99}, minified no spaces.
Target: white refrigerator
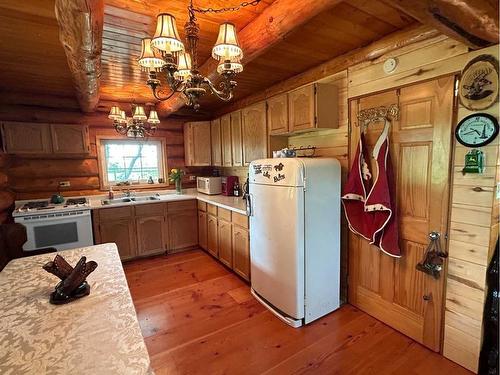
{"x":294,"y":207}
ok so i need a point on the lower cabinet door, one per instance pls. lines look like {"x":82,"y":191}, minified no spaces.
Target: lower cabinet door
{"x":241,"y":252}
{"x":212,"y":236}
{"x":225,"y":243}
{"x":151,"y":237}
{"x":121,"y":232}
{"x":202,"y":230}
{"x":182,"y":229}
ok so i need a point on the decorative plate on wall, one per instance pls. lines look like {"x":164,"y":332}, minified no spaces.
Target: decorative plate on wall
{"x":478,"y":88}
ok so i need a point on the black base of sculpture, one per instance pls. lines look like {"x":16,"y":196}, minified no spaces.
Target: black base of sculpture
{"x":59,"y":298}
{"x":73,"y":285}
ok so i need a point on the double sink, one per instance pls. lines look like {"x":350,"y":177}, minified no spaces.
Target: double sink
{"x":131,"y":199}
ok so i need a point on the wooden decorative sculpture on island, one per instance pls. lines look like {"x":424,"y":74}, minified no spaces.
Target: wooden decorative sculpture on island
{"x":73,"y":284}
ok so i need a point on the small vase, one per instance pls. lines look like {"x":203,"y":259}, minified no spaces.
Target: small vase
{"x":178,"y":186}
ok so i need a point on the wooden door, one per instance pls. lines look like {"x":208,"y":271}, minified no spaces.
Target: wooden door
{"x":225,"y":242}
{"x":70,"y":139}
{"x":241,"y":252}
{"x":215,"y":136}
{"x":301,"y":108}
{"x":151,"y":238}
{"x":225,"y":128}
{"x":202,"y":230}
{"x":236,"y":141}
{"x":212,"y":236}
{"x":391,"y":289}
{"x":277,"y":114}
{"x":197,"y":145}
{"x":26,"y":138}
{"x":254,"y":133}
{"x":122,"y":232}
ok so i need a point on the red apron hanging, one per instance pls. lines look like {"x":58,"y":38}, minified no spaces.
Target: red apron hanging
{"x":354,"y":194}
{"x":380,"y":203}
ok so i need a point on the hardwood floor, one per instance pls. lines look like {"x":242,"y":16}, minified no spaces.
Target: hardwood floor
{"x":199,"y":318}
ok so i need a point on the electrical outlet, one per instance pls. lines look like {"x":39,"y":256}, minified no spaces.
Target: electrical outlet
{"x":192,"y":178}
{"x":64,"y":184}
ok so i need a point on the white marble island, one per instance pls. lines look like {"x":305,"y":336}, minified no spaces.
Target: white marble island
{"x":97,"y":334}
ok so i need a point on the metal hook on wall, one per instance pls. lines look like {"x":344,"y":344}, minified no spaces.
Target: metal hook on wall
{"x":382,"y":113}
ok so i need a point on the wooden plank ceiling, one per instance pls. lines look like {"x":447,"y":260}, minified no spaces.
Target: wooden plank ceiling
{"x":33,"y":60}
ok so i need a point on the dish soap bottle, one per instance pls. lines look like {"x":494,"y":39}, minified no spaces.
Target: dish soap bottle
{"x":111,"y":194}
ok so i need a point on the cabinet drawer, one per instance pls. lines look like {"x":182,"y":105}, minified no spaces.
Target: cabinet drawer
{"x":181,"y":205}
{"x":150,"y":209}
{"x":224,"y":214}
{"x":211,"y":209}
{"x":241,"y":220}
{"x":202,"y":206}
{"x":115,"y":213}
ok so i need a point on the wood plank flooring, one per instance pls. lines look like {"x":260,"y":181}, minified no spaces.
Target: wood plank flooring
{"x":199,"y":318}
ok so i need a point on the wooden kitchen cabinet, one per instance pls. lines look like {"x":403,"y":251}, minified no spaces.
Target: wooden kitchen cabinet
{"x":151,"y":235}
{"x":202,"y":230}
{"x":241,"y":251}
{"x":26,"y":138}
{"x":225,"y":242}
{"x":254,"y":132}
{"x":70,"y":139}
{"x":212,"y":236}
{"x":215,"y":135}
{"x":225,"y":127}
{"x":122,"y":232}
{"x":277,"y":114}
{"x":182,"y":225}
{"x":314,"y":106}
{"x":197,"y":145}
{"x":236,"y":139}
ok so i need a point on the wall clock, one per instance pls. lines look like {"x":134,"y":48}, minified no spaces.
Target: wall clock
{"x":477,"y":130}
{"x":478,"y":87}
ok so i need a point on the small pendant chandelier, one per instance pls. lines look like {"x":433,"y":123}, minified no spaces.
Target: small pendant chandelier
{"x":137,"y":126}
{"x":166,"y":53}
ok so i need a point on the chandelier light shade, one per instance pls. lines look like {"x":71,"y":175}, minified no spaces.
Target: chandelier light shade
{"x":115,"y":113}
{"x":231,"y":65}
{"x":227,"y":46}
{"x":184,"y":66}
{"x":166,"y":37}
{"x":139,"y":113}
{"x":150,"y":58}
{"x":153,"y":117}
{"x":123,"y":117}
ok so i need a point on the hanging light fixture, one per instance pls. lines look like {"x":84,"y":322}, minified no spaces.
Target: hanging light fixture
{"x":137,"y":126}
{"x":180,"y":64}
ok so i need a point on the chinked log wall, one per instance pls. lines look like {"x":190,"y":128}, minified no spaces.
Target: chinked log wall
{"x":474,"y":213}
{"x":39,"y":176}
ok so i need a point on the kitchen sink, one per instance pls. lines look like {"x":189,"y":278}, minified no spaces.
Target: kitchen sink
{"x":130,"y":199}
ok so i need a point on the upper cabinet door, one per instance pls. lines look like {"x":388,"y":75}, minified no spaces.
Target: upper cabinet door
{"x":197,"y":150}
{"x":277,"y":114}
{"x":225,"y":127}
{"x":301,"y":108}
{"x":254,"y":133}
{"x":70,"y":139}
{"x":216,"y":143}
{"x":26,"y":138}
{"x":236,"y":141}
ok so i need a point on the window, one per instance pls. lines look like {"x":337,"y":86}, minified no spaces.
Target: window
{"x":131,"y":160}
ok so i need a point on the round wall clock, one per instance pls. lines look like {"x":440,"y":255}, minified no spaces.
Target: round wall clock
{"x":477,"y":130}
{"x":478,"y":87}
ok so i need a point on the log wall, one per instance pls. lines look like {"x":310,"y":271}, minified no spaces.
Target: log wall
{"x":39,"y":176}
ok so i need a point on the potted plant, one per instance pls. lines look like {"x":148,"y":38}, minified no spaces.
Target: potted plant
{"x":176,"y":177}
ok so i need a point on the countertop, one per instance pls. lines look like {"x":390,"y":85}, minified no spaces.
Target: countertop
{"x":236,"y":204}
{"x":93,"y":335}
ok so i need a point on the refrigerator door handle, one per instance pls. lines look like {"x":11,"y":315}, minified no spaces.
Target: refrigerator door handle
{"x":249,"y":205}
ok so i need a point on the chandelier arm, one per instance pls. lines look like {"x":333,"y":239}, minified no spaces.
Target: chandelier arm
{"x":177,"y":88}
{"x":226,"y":94}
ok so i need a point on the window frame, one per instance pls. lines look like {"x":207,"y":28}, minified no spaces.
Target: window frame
{"x":101,"y":161}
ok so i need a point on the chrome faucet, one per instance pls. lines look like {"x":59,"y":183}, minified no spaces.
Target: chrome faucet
{"x":129,"y":193}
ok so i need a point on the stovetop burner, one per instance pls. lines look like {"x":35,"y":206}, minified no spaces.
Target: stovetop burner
{"x":75,"y":201}
{"x":36,"y":204}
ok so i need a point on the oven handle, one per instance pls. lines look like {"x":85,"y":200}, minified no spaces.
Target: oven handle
{"x":37,"y":219}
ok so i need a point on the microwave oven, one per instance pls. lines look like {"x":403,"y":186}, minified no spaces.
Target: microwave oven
{"x":209,"y":185}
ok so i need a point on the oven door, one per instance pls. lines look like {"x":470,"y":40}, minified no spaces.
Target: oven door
{"x":65,"y":230}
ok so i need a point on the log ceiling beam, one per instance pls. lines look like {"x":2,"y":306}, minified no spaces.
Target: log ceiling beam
{"x":267,"y":29}
{"x":373,"y":51}
{"x":80,"y":32}
{"x":472,"y":22}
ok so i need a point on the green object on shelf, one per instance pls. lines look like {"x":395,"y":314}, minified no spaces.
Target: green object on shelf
{"x":474,"y":162}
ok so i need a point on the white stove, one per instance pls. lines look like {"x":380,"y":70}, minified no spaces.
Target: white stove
{"x":65,"y":225}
